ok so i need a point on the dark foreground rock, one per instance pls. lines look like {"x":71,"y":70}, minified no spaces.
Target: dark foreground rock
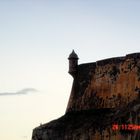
{"x":93,"y":125}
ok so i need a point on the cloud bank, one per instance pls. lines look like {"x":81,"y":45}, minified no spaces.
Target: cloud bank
{"x":20,"y":92}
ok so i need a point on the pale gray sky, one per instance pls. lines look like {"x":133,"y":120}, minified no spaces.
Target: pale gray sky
{"x":36,"y":37}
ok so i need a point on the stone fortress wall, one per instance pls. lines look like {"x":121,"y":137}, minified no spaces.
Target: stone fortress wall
{"x":104,"y":94}
{"x":109,"y":83}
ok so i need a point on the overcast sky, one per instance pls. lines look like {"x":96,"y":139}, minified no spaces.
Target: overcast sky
{"x":36,"y":37}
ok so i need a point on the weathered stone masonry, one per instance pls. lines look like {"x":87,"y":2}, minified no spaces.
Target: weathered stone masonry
{"x":103,"y":93}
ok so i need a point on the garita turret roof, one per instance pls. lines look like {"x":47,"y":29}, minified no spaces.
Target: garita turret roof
{"x":73,"y":55}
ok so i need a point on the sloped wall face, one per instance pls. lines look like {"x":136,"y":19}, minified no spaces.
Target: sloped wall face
{"x":100,"y":124}
{"x":109,"y":83}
